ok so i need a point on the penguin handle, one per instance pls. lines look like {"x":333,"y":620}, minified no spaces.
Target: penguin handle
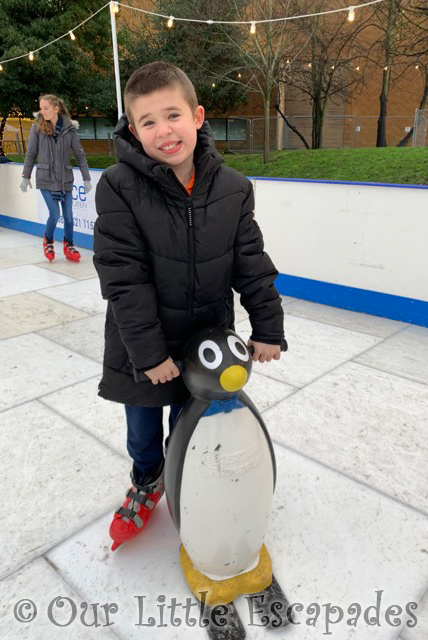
{"x":140,"y":376}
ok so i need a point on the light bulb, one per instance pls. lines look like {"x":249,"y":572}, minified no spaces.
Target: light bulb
{"x":213,"y":84}
{"x":115,"y":7}
{"x":1,"y":67}
{"x":31,"y":55}
{"x":72,"y":36}
{"x":351,"y":14}
{"x":170,"y":22}
{"x":253,"y":28}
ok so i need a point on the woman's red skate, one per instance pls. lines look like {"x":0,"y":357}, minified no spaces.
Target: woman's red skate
{"x":70,"y":251}
{"x":132,"y":517}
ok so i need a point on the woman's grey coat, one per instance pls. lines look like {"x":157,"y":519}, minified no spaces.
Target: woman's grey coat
{"x":54,"y":171}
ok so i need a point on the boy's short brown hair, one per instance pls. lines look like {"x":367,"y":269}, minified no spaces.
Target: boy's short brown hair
{"x":154,"y":76}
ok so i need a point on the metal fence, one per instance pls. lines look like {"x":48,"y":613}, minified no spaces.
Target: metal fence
{"x":420,"y":128}
{"x":339,"y":132}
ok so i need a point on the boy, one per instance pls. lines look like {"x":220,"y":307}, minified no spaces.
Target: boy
{"x":175,"y":233}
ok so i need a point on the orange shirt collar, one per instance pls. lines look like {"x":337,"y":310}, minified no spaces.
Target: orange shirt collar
{"x":189,"y":187}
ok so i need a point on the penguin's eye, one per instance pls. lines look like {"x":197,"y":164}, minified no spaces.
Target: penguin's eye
{"x":210,"y":354}
{"x":238,"y":348}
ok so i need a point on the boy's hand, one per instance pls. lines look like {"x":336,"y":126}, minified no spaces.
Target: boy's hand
{"x":163,"y":372}
{"x":265,"y":352}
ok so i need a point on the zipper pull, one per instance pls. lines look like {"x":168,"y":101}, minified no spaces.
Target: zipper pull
{"x":189,"y":213}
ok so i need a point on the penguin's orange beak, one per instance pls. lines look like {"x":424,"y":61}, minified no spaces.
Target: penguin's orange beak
{"x":233,"y":378}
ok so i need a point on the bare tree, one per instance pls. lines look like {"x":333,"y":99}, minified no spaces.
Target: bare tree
{"x":402,"y":39}
{"x":260,"y":55}
{"x":329,"y":66}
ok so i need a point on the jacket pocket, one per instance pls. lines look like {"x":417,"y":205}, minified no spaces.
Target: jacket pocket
{"x":115,"y":353}
{"x":69,"y":175}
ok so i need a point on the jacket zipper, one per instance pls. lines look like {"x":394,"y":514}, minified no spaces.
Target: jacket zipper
{"x":189,"y":208}
{"x":189,"y":215}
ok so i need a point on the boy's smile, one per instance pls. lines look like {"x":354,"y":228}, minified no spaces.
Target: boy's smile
{"x":167,"y":129}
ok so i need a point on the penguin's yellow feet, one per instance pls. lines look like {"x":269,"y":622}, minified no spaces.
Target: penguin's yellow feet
{"x":224,"y":591}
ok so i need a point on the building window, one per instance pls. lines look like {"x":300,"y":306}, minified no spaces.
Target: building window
{"x":228,"y":128}
{"x":237,"y":129}
{"x":86,"y":129}
{"x":103,"y":128}
{"x":219,"y":128}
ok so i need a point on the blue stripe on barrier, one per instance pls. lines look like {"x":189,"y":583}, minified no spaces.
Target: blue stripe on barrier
{"x":38,"y":229}
{"x":365,"y":301}
{"x":335,"y":295}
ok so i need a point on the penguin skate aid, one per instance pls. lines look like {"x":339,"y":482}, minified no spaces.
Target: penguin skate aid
{"x":219,"y":457}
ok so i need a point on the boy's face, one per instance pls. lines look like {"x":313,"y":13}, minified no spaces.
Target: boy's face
{"x":166,"y":127}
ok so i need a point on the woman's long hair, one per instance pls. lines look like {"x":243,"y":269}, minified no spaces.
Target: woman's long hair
{"x":46,"y":126}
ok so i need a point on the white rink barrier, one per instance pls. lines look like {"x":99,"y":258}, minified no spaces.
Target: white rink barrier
{"x":359,"y":246}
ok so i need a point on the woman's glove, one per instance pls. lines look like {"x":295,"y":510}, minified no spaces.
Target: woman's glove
{"x":26,"y":182}
{"x":88,"y":185}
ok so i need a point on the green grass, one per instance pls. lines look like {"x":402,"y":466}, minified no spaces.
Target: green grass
{"x":390,"y":164}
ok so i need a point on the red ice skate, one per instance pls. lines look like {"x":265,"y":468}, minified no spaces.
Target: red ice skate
{"x":48,"y":248}
{"x":71,"y":252}
{"x":132,"y":517}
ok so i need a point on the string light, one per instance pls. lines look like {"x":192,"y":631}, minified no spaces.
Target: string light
{"x":1,"y":68}
{"x":114,"y":6}
{"x":239,"y":75}
{"x":288,"y":61}
{"x":310,"y":65}
{"x":332,"y":66}
{"x":357,"y":68}
{"x":385,"y":68}
{"x":213,"y":85}
{"x":417,"y":66}
{"x":30,"y":54}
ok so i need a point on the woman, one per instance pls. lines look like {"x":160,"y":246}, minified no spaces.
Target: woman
{"x":52,"y":138}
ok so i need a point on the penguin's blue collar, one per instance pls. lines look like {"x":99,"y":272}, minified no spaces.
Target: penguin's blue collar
{"x":223,"y":406}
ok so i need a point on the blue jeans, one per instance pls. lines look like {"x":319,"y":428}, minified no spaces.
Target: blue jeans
{"x":145,"y":437}
{"x":52,"y":199}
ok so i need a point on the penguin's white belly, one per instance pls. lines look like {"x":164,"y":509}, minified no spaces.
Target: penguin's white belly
{"x":226,"y":493}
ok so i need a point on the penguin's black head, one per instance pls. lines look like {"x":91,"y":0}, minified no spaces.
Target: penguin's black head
{"x":217,"y":364}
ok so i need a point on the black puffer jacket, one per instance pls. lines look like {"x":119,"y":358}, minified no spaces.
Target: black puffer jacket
{"x":167,"y":263}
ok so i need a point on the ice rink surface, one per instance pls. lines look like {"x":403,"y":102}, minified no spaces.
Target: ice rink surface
{"x":347,"y":410}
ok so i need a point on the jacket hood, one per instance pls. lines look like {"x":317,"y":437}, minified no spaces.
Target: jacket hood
{"x":130,"y":150}
{"x":67,"y":122}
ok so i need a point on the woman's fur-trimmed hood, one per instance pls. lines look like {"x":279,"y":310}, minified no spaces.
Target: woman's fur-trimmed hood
{"x":67,"y":121}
